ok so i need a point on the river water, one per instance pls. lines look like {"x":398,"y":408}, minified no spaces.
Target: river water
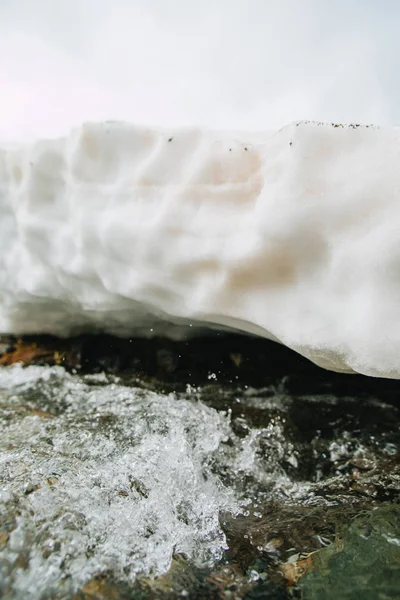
{"x":117,"y":486}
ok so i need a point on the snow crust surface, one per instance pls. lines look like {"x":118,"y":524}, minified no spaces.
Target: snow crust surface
{"x":292,"y":235}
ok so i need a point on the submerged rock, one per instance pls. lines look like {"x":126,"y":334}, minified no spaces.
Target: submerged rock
{"x":363,"y":563}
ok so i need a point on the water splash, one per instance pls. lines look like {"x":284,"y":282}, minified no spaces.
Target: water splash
{"x":100,"y":475}
{"x":104,"y":476}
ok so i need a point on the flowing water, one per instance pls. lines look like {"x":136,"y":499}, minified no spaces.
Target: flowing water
{"x":114,"y":486}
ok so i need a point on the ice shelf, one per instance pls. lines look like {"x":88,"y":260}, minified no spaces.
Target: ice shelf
{"x":292,"y":235}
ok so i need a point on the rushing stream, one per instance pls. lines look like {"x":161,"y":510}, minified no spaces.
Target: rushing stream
{"x":114,"y":486}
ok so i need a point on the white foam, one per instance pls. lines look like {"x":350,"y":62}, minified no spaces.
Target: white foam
{"x":292,"y":235}
{"x":104,"y":477}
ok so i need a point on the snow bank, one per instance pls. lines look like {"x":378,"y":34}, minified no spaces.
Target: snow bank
{"x":292,"y":235}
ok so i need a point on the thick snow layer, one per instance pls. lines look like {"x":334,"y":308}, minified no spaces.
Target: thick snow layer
{"x":292,"y":235}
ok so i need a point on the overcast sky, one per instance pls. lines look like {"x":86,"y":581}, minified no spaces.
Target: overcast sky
{"x":241,"y":64}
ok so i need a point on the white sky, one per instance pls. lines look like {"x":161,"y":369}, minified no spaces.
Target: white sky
{"x":240,"y":64}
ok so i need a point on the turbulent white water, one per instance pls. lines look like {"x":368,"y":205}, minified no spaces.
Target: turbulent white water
{"x":100,"y":476}
{"x":96,"y":476}
{"x":291,"y":235}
